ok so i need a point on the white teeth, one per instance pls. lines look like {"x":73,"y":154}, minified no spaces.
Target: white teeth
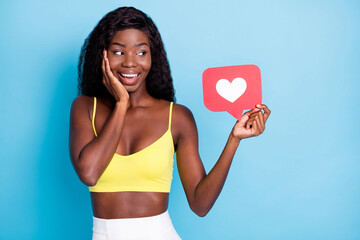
{"x":129,"y":75}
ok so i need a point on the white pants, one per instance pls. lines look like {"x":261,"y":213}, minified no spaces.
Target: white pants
{"x":157,"y":227}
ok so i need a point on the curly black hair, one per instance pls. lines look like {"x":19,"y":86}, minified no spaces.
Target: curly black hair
{"x":159,"y":82}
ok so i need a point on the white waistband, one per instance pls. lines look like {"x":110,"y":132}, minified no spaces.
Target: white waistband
{"x":160,"y":217}
{"x":154,"y":227}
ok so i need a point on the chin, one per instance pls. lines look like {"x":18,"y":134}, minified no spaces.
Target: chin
{"x":132,"y":88}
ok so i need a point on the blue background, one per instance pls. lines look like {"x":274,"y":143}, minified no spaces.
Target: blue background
{"x":299,"y":180}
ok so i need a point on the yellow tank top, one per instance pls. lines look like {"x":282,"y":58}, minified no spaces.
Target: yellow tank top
{"x":148,"y":170}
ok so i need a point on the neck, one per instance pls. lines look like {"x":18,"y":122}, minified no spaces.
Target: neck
{"x":140,"y":98}
{"x":139,"y":101}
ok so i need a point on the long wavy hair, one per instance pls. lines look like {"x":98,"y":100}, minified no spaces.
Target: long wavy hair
{"x":159,"y":82}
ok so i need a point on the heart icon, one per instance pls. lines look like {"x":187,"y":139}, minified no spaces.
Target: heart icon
{"x":231,"y":91}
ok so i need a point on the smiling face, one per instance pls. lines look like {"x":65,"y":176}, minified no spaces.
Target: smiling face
{"x":130,"y":59}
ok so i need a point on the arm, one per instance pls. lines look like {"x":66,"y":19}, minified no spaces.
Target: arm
{"x":202,"y":189}
{"x":90,"y":156}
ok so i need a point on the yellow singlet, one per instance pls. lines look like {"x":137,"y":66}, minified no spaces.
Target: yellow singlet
{"x":148,"y":170}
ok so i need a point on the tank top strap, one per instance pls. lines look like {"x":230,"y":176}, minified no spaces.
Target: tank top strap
{"x":93,"y":117}
{"x":170,"y":114}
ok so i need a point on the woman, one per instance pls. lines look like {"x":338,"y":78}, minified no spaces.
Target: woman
{"x":124,"y":130}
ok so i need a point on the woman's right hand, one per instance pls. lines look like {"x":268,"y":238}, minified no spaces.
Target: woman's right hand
{"x":112,"y":84}
{"x":252,"y":123}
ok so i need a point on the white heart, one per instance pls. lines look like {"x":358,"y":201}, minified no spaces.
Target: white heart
{"x":231,"y":90}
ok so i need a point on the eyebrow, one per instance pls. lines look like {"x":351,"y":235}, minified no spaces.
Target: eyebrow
{"x":136,"y":45}
{"x":141,"y":44}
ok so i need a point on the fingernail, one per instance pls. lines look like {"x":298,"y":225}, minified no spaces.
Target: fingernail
{"x":258,"y":105}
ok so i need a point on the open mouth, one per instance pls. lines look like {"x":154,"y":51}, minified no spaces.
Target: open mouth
{"x":129,"y":75}
{"x":128,"y":78}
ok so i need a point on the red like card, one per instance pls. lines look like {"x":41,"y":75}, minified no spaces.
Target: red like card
{"x":232,"y":89}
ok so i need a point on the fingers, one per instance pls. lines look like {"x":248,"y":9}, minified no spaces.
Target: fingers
{"x":108,"y":71}
{"x":255,"y":128}
{"x":247,"y":115}
{"x":108,"y":77}
{"x":259,"y":125}
{"x":111,"y":82}
{"x":253,"y":111}
{"x":252,"y":123}
{"x":259,"y":116}
{"x":249,"y":124}
{"x":261,"y":121}
{"x":105,"y":79}
{"x":256,"y":122}
{"x":266,"y":111}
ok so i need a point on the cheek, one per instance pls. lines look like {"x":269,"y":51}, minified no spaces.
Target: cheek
{"x":147,"y":63}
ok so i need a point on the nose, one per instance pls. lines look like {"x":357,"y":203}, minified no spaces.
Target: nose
{"x":129,"y":61}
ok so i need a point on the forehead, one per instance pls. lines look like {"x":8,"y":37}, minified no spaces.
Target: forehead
{"x":130,"y":36}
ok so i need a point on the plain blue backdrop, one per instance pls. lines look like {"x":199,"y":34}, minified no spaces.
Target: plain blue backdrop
{"x":299,"y":180}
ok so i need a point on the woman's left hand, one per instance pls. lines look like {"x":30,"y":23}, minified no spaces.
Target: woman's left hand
{"x":252,"y":123}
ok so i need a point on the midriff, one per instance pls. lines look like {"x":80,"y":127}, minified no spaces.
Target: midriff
{"x":112,"y":205}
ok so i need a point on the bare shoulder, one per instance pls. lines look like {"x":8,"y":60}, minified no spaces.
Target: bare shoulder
{"x":183,"y":122}
{"x":81,"y":106}
{"x":82,"y":101}
{"x":182,"y":113}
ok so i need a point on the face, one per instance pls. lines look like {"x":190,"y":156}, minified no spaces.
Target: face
{"x":130,"y":59}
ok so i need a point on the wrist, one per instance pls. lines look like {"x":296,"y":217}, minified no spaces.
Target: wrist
{"x":122,"y":104}
{"x":234,"y":139}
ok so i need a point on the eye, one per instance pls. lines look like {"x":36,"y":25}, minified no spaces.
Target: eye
{"x":118,"y":52}
{"x":141,"y":53}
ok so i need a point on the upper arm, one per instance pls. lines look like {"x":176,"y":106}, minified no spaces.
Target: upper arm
{"x":190,"y":166}
{"x":81,"y":132}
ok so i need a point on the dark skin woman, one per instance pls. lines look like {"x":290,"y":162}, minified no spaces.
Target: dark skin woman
{"x":129,"y":119}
